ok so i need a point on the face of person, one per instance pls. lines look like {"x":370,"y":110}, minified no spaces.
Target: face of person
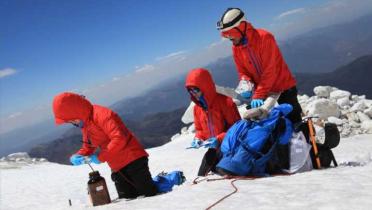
{"x":235,"y":40}
{"x":233,"y":35}
{"x":195,"y":92}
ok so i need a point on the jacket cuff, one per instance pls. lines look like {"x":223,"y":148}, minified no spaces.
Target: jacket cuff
{"x":221,"y":136}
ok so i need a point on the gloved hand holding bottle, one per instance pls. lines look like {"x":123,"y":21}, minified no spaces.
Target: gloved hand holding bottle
{"x":93,"y":159}
{"x":77,"y":159}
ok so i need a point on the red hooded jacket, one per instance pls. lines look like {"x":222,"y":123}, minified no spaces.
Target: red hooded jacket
{"x":102,"y":129}
{"x":221,"y":112}
{"x":260,"y":61}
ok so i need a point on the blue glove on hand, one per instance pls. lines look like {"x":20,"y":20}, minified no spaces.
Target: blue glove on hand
{"x":211,"y":143}
{"x":255,"y":103}
{"x":93,"y":159}
{"x":196,"y":143}
{"x":77,"y":159}
{"x":246,"y":94}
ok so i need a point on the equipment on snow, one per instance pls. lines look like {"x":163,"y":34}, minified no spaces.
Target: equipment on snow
{"x":249,"y":146}
{"x":97,"y":189}
{"x":331,"y":139}
{"x":164,"y":182}
{"x":313,"y":143}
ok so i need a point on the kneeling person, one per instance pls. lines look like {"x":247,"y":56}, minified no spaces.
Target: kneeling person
{"x":214,"y":113}
{"x":103,"y":129}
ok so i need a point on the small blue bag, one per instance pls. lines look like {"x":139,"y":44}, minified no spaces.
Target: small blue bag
{"x":164,"y":182}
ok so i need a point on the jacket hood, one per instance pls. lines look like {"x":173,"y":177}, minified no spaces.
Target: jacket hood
{"x":70,"y":106}
{"x":202,"y":79}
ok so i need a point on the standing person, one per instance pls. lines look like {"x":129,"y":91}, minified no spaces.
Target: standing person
{"x":261,"y":68}
{"x":214,"y":114}
{"x":103,"y":129}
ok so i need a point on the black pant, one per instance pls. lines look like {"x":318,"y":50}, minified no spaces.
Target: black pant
{"x":134,"y":180}
{"x":209,"y":162}
{"x":290,"y":97}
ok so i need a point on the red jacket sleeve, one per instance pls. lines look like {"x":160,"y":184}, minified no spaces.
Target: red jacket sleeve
{"x":86,"y":148}
{"x":198,"y":128}
{"x":240,"y":68}
{"x":118,"y":136}
{"x":271,"y":54}
{"x":231,"y":115}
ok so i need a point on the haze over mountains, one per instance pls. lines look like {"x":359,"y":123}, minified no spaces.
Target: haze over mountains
{"x":324,"y":50}
{"x":318,"y":52}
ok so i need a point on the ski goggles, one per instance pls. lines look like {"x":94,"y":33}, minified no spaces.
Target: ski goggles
{"x":231,"y":34}
{"x":194,"y":90}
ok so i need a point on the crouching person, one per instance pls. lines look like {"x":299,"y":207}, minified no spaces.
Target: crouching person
{"x":214,"y":113}
{"x":103,"y":129}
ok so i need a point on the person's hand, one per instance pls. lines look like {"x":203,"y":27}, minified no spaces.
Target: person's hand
{"x":93,"y":159}
{"x":255,"y":103}
{"x":211,"y":143}
{"x":77,"y":159}
{"x":196,"y":143}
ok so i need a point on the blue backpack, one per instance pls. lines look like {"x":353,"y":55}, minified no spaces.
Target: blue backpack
{"x":249,"y":145}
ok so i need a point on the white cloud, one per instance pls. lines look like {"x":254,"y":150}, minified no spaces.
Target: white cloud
{"x":290,"y":13}
{"x":115,"y":79}
{"x":14,"y":115}
{"x":330,"y":13}
{"x":146,"y":77}
{"x":145,"y":68}
{"x":171,"y":56}
{"x":25,"y":118}
{"x":7,"y":72}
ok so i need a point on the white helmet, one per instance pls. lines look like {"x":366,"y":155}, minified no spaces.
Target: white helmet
{"x":230,"y":19}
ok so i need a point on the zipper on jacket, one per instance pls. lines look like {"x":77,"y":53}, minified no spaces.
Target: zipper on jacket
{"x":210,"y":124}
{"x":253,"y":58}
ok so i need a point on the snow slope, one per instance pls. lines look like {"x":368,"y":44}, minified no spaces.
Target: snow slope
{"x":50,"y":186}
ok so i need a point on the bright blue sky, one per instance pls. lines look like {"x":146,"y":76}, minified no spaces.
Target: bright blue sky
{"x":61,"y":45}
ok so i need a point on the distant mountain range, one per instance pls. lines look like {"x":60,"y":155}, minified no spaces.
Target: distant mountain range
{"x":153,"y":130}
{"x":323,"y":50}
{"x":354,"y":77}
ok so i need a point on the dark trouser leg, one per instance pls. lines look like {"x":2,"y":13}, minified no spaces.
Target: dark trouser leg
{"x":134,"y":180}
{"x":209,"y":162}
{"x":290,"y":97}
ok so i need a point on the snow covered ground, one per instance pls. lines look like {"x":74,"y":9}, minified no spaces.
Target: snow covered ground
{"x":50,"y":186}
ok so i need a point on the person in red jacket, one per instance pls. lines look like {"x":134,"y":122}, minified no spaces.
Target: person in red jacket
{"x":103,"y":129}
{"x":214,"y":114}
{"x":261,"y":67}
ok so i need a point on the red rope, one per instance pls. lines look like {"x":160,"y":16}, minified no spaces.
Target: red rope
{"x":197,"y":181}
{"x":235,"y":178}
{"x":226,"y":196}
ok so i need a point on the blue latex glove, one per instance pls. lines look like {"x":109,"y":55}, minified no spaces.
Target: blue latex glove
{"x":255,"y":103}
{"x":196,"y":143}
{"x":93,"y":159}
{"x":246,"y":94}
{"x":77,"y":159}
{"x":211,"y":143}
